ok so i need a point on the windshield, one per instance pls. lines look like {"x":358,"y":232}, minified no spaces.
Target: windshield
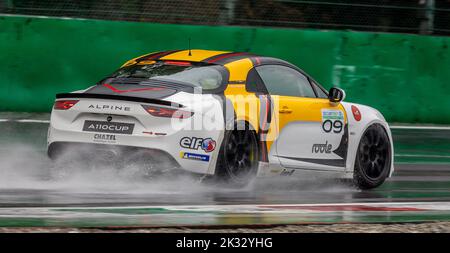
{"x":206,"y":77}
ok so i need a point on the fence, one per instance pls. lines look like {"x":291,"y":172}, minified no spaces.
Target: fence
{"x":401,"y":16}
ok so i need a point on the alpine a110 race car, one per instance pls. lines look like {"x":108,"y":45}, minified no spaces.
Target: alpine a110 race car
{"x":230,"y":116}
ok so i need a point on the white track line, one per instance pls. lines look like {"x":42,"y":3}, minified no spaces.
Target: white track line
{"x":421,"y":127}
{"x":25,"y":120}
{"x":32,"y":121}
{"x":430,"y":156}
{"x":239,"y":206}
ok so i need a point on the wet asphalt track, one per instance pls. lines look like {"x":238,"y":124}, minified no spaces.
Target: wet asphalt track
{"x":28,"y":196}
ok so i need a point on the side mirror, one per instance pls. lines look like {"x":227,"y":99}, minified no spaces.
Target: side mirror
{"x":336,"y":95}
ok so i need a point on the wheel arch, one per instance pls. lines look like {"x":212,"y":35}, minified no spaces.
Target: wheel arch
{"x":369,"y":117}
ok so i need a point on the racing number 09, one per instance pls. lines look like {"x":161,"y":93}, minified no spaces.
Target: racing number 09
{"x":329,"y":125}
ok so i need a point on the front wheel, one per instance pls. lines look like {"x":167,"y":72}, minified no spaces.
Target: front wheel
{"x":373,"y":158}
{"x":238,"y":158}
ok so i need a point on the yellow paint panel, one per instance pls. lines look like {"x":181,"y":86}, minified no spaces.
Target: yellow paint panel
{"x":239,"y":69}
{"x":133,"y":61}
{"x":302,"y":109}
{"x":146,"y":62}
{"x":246,"y":105}
{"x":237,"y":89}
{"x":197,"y":55}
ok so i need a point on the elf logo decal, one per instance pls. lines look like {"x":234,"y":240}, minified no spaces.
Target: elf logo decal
{"x":208,"y":144}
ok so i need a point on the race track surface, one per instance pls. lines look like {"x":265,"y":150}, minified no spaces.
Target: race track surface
{"x":31,"y":194}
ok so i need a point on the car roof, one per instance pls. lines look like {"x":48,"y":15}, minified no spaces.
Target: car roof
{"x":232,"y":60}
{"x":206,"y":56}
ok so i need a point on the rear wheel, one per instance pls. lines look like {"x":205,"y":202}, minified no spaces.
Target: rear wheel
{"x":238,"y":158}
{"x":373,"y":158}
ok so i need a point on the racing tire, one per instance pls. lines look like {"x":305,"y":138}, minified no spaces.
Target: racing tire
{"x":373,"y":158}
{"x":237,"y":163}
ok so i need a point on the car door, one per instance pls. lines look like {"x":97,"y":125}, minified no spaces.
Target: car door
{"x":312,"y":130}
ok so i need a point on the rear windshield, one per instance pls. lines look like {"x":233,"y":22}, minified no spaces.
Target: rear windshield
{"x":207,"y":77}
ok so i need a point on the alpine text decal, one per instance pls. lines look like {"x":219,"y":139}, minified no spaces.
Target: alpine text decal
{"x":110,"y":107}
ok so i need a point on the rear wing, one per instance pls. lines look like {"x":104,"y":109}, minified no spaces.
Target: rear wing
{"x":119,"y":97}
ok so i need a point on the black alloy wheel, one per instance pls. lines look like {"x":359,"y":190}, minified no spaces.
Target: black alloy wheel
{"x":238,"y":158}
{"x":373,"y":158}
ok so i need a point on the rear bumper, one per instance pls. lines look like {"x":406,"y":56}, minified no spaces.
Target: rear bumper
{"x":112,"y":153}
{"x":133,"y":126}
{"x":124,"y":146}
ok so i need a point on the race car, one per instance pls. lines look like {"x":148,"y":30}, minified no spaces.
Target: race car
{"x":230,"y":116}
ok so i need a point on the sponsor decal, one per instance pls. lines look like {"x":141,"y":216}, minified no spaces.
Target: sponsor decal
{"x":287,"y":172}
{"x":152,"y":133}
{"x":321,"y":148}
{"x":332,"y":121}
{"x":332,"y":115}
{"x":110,"y":107}
{"x":207,"y":144}
{"x":109,"y":138}
{"x":192,"y":156}
{"x":108,"y":127}
{"x":356,"y":113}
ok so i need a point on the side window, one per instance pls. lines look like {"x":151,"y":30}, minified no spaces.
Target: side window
{"x":319,"y":90}
{"x":284,"y":81}
{"x":254,"y":83}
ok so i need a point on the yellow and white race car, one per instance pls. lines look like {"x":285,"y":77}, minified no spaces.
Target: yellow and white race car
{"x":228,"y":115}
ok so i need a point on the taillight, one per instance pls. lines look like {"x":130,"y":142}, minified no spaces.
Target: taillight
{"x":167,"y":112}
{"x":64,"y":104}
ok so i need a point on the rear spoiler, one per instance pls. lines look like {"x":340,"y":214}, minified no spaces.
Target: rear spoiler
{"x":118,"y":97}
